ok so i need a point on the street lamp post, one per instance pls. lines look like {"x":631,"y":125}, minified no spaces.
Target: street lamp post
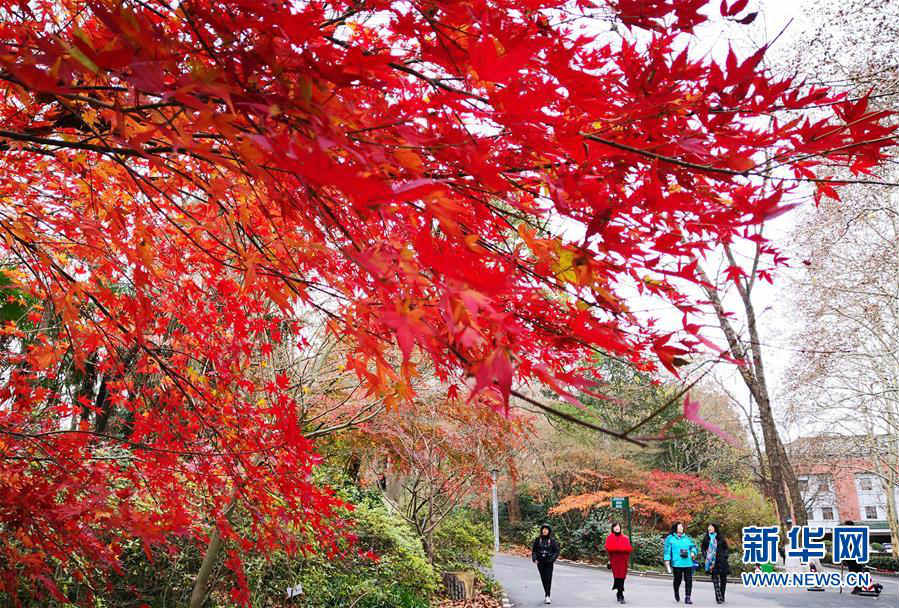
{"x":493,"y":473}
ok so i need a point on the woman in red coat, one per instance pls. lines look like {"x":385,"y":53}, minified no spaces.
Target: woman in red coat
{"x":618,"y":546}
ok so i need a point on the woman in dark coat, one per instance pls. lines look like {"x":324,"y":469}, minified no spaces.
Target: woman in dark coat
{"x":714,"y":557}
{"x":851,"y":564}
{"x":618,"y":546}
{"x":544,"y":552}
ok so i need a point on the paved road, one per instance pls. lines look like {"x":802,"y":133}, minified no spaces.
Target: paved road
{"x":582,"y":587}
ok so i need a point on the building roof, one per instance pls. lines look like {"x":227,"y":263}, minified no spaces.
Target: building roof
{"x":829,"y":446}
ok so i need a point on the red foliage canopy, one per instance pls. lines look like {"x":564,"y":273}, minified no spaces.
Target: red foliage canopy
{"x":183,"y":182}
{"x":658,"y":498}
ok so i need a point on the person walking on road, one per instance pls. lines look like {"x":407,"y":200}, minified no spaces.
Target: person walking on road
{"x":851,"y":564}
{"x":544,"y":552}
{"x":618,"y":546}
{"x":680,"y":551}
{"x":715,"y":553}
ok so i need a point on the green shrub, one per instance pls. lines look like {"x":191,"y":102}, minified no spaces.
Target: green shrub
{"x":745,"y":507}
{"x":735,"y":561}
{"x":490,"y":585}
{"x":532,"y":533}
{"x":164,"y":582}
{"x":648,"y":548}
{"x":533,"y":508}
{"x":533,"y":513}
{"x":522,"y":532}
{"x":461,"y":542}
{"x":401,"y":577}
{"x":588,"y":540}
{"x":880,"y":562}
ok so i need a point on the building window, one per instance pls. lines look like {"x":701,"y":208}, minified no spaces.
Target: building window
{"x":870,"y":512}
{"x":827,"y":514}
{"x":824,"y":485}
{"x":803,"y":486}
{"x":865,"y":484}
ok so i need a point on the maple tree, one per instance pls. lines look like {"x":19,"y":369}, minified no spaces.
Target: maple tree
{"x":183,"y":181}
{"x":658,"y":498}
{"x":432,"y":455}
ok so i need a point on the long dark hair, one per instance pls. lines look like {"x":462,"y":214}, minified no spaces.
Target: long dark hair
{"x":721,"y":539}
{"x":616,"y":523}
{"x":679,"y":523}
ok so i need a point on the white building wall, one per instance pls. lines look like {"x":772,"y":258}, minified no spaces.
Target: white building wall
{"x":872,"y":499}
{"x":820,"y":501}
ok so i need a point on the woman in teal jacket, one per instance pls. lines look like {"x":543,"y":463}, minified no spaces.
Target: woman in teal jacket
{"x":680,"y":551}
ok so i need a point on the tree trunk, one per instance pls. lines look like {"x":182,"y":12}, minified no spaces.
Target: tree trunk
{"x":514,"y":506}
{"x":893,"y":536}
{"x":890,"y":484}
{"x":354,"y":466}
{"x":800,"y":513}
{"x":459,"y":585}
{"x":887,"y":477}
{"x":775,"y":467}
{"x":85,"y":392}
{"x":198,"y":594}
{"x":427,"y":543}
{"x":891,"y":455}
{"x":783,"y":478}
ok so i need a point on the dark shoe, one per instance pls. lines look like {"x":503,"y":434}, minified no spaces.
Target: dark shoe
{"x":687,"y":600}
{"x":677,"y":597}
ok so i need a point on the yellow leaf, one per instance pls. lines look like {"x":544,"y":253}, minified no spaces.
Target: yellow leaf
{"x":564,"y":268}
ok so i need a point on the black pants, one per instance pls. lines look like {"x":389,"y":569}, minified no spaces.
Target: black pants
{"x":687,"y":575}
{"x":546,"y":576}
{"x":720,"y":582}
{"x":853,"y":566}
{"x":619,"y":586}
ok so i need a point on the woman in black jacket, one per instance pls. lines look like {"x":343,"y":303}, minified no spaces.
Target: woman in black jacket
{"x":544,"y":552}
{"x":714,"y":555}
